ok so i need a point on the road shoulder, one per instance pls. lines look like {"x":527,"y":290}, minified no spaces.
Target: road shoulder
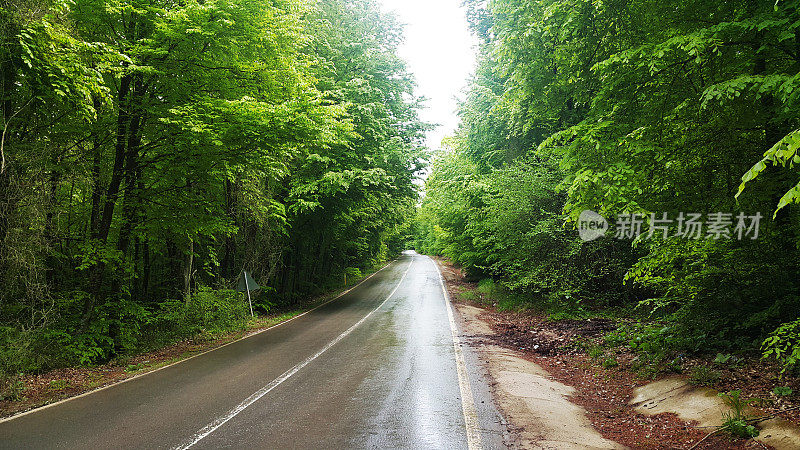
{"x":536,"y":364}
{"x":536,"y":407}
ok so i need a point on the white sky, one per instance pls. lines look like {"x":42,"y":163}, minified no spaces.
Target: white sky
{"x":439,"y":50}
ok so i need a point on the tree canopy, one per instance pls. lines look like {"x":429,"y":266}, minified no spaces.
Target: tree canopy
{"x":152,"y":150}
{"x":630,"y":107}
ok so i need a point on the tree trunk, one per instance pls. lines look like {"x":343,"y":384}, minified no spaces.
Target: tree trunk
{"x":106,"y":214}
{"x":146,"y":268}
{"x":120,"y":156}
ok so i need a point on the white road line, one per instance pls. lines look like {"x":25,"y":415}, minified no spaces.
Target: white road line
{"x":467,"y":401}
{"x":211,"y":427}
{"x":50,"y":405}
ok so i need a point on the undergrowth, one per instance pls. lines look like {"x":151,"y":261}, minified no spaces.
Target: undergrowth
{"x":121,"y":330}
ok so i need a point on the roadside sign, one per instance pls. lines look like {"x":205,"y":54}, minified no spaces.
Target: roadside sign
{"x":247,"y":284}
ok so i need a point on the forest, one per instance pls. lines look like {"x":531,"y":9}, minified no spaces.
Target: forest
{"x":152,"y":150}
{"x":651,"y":114}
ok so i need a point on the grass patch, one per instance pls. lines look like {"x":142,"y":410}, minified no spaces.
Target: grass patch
{"x":610,"y":363}
{"x":135,"y":367}
{"x":468,"y":296}
{"x":596,"y":352}
{"x":58,"y":385}
{"x":703,"y":376}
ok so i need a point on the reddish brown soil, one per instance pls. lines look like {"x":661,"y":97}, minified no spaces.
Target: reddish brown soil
{"x":606,"y":392}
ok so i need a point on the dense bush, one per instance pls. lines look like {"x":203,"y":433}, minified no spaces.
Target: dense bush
{"x":783,"y":344}
{"x":120,"y":331}
{"x":207,"y":312}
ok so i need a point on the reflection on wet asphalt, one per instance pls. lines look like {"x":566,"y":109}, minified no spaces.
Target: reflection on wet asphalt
{"x":370,"y":371}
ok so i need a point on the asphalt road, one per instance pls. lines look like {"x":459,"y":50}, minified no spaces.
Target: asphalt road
{"x":379,"y":367}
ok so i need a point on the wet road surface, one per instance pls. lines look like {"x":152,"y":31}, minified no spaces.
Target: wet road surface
{"x":380,"y":367}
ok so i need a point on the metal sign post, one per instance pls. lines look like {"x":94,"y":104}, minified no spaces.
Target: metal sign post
{"x":247,"y":284}
{"x":249,"y":300}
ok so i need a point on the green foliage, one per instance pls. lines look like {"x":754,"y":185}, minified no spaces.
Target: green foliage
{"x":784,"y":154}
{"x":736,"y":420}
{"x":722,"y":359}
{"x":783,"y":344}
{"x":208,"y":312}
{"x":124,"y":330}
{"x":507,"y":224}
{"x":134,"y":367}
{"x":675,"y":366}
{"x":596,"y":351}
{"x":782,"y":391}
{"x":653,"y":345}
{"x":739,"y":428}
{"x":11,"y":387}
{"x":652,"y":342}
{"x":609,"y":363}
{"x":703,"y":376}
{"x":58,"y":385}
{"x":487,"y":286}
{"x":353,"y":273}
{"x":468,"y":296}
{"x":150,"y":149}
{"x":629,"y":107}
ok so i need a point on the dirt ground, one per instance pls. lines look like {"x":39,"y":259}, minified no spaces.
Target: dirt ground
{"x":520,"y":387}
{"x":605,"y":394}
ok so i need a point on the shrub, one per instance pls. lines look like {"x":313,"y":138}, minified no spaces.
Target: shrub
{"x":353,"y":273}
{"x":208,"y":311}
{"x":650,"y":341}
{"x":703,"y":376}
{"x":783,"y":344}
{"x":736,"y":420}
{"x":11,"y":387}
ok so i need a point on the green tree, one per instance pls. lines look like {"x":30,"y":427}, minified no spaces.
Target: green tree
{"x":630,"y":107}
